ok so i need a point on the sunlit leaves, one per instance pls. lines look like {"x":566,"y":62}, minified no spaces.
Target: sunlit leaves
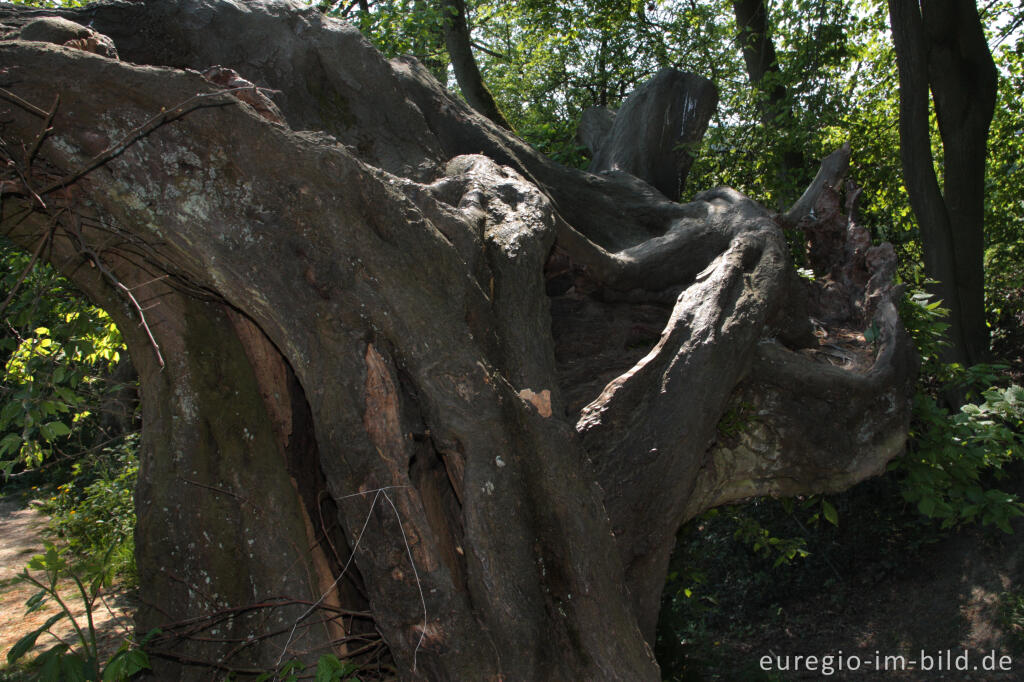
{"x":57,"y":356}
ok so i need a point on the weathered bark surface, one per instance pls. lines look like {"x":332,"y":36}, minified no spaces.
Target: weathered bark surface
{"x":595,"y":124}
{"x":654,"y":133}
{"x":406,"y":375}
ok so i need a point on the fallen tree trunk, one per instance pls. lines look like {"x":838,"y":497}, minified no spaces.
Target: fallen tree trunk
{"x":412,"y":392}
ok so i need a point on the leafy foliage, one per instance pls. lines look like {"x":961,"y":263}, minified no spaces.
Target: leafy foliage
{"x":953,"y":458}
{"x":49,"y":3}
{"x":1011,"y":612}
{"x":59,"y":353}
{"x":329,"y":668}
{"x":1004,"y":206}
{"x":94,"y":511}
{"x":62,"y":662}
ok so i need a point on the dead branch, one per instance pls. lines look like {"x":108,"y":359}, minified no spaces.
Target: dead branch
{"x":30,"y":154}
{"x":27,"y":106}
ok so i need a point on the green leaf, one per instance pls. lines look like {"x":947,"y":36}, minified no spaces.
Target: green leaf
{"x":329,"y":669}
{"x":36,"y":601}
{"x":126,"y":662}
{"x":9,"y":412}
{"x":54,"y":430}
{"x":830,"y":513}
{"x":289,"y":670}
{"x":74,"y":668}
{"x":25,"y":644}
{"x":49,"y":663}
{"x":10,"y":443}
{"x":67,"y":395}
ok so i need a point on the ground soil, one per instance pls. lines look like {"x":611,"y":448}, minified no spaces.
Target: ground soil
{"x":963,"y":592}
{"x":950,"y":600}
{"x":22,"y":533}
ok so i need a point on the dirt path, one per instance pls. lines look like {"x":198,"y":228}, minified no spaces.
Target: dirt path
{"x":21,"y":537}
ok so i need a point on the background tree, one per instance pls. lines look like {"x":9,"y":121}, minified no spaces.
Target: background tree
{"x":942,"y":48}
{"x":460,"y":51}
{"x":766,"y":78}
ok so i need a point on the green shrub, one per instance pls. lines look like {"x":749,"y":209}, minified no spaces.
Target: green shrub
{"x":1011,"y":616}
{"x":58,"y":359}
{"x":65,"y":421}
{"x":81,"y":662}
{"x":94,"y":511}
{"x":954,"y":457}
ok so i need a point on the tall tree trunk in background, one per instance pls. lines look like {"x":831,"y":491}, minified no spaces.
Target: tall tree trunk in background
{"x":942,"y":46}
{"x":467,"y":73}
{"x":765,"y":78}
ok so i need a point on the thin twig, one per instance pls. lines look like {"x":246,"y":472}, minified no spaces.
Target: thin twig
{"x":208,"y":620}
{"x":344,"y":569}
{"x":487,"y":50}
{"x":415,"y":573}
{"x":213,"y":488}
{"x":419,"y":585}
{"x":31,"y":153}
{"x":148,"y":282}
{"x":118,"y":618}
{"x":28,"y":187}
{"x":94,"y":257}
{"x":14,"y":99}
{"x":203,"y":662}
{"x":143,"y":323}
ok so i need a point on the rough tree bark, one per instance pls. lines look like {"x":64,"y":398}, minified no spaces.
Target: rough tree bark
{"x":412,"y":392}
{"x":941,"y":47}
{"x":654,"y":133}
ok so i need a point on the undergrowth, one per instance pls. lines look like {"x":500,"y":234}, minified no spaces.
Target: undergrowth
{"x":733,"y":565}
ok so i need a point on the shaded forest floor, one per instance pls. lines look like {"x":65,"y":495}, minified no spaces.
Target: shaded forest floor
{"x":863,"y":589}
{"x":864,"y":592}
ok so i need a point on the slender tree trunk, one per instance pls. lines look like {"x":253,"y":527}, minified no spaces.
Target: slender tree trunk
{"x":942,"y":46}
{"x":766,"y":78}
{"x":467,"y":73}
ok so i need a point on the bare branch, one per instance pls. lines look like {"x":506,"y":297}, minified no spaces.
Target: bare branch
{"x":27,"y":106}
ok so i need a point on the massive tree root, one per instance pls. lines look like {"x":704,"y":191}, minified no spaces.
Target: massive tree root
{"x":406,"y":382}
